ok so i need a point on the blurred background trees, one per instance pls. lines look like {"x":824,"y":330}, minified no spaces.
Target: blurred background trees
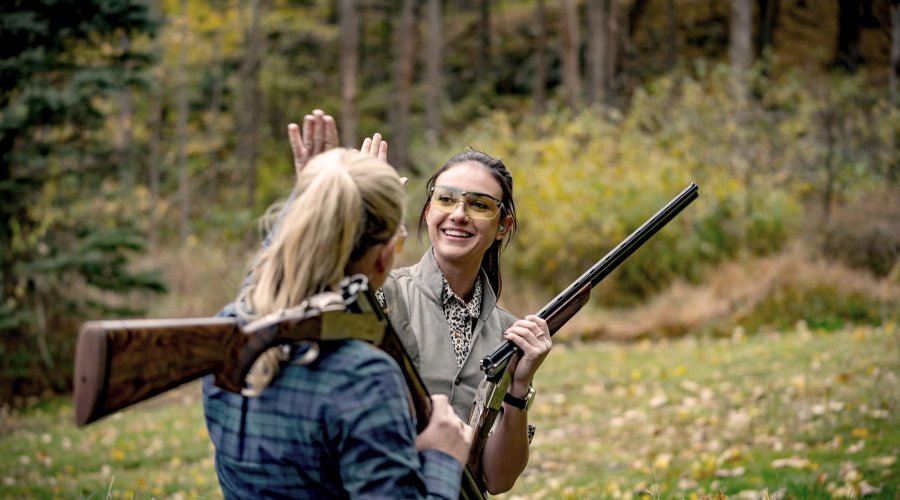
{"x":130,"y":125}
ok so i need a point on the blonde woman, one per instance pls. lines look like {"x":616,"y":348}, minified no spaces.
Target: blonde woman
{"x":339,"y":426}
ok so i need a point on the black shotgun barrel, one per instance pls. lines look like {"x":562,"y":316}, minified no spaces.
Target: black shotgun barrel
{"x":494,"y":363}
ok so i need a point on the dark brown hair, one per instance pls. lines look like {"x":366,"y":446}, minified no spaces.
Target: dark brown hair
{"x":491,"y":260}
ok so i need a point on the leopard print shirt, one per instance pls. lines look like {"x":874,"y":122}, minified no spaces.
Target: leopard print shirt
{"x":460,"y":316}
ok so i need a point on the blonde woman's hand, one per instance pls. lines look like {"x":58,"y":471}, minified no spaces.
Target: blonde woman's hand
{"x":377,"y":146}
{"x":319,"y":134}
{"x":445,"y":431}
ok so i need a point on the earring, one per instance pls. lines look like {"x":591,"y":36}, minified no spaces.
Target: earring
{"x":500,"y":228}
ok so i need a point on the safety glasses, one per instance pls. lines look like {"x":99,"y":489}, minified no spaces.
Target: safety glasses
{"x":400,"y":239}
{"x":477,"y":205}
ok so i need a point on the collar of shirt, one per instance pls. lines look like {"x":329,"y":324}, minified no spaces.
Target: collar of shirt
{"x":451,"y":301}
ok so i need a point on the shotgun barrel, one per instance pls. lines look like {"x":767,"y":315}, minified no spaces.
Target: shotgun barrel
{"x":559,"y":310}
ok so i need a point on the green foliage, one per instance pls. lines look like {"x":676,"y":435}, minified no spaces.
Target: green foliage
{"x":820,"y":307}
{"x":64,"y":246}
{"x":585,"y":181}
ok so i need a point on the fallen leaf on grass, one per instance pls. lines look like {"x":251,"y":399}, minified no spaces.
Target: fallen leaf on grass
{"x":658,"y":400}
{"x":867,"y":489}
{"x":662,"y":461}
{"x":790,"y":463}
{"x":885,"y":461}
{"x":737,"y":471}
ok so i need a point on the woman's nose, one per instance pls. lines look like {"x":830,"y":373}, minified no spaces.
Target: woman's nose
{"x":460,"y":211}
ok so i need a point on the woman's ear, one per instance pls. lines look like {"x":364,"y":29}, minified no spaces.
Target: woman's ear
{"x":384,"y":260}
{"x":504,"y":227}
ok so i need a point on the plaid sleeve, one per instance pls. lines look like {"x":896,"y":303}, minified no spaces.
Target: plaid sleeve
{"x":442,"y":474}
{"x":375,"y":436}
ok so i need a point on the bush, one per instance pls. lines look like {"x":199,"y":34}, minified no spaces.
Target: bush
{"x":866,"y":233}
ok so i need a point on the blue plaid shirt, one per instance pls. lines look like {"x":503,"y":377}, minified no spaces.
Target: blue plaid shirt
{"x":339,"y":427}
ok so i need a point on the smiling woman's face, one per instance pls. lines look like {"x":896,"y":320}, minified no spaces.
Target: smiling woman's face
{"x":456,"y":237}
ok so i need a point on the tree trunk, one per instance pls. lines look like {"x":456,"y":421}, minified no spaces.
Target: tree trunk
{"x":154,"y":158}
{"x":847,"y":56}
{"x":215,"y":105}
{"x":895,"y":52}
{"x":349,"y":21}
{"x":404,"y":60}
{"x":612,"y":48}
{"x":483,"y":56}
{"x":894,"y":167}
{"x":741,"y":48}
{"x":597,"y":40}
{"x":250,"y":97}
{"x":433,"y":63}
{"x":671,"y":34}
{"x":635,"y":13}
{"x":539,"y":90}
{"x":181,"y":130}
{"x":126,"y":130}
{"x":768,"y":20}
{"x":570,"y":42}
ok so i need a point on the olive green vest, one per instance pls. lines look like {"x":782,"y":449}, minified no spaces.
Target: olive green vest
{"x":418,"y":317}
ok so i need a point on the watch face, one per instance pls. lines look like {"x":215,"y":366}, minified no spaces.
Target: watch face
{"x":529,"y":398}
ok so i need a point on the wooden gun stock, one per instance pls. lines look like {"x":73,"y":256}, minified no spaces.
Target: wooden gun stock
{"x":120,"y":363}
{"x":123,"y":362}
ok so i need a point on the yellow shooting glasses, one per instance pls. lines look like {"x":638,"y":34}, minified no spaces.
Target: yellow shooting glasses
{"x":477,"y":205}
{"x":400,"y":239}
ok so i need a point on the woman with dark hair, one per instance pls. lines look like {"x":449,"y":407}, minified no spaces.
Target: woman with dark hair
{"x":445,"y":307}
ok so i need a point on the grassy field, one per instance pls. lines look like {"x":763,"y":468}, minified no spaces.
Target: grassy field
{"x":802,"y":414}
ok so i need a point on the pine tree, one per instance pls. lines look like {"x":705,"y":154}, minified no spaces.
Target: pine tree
{"x":60,"y":259}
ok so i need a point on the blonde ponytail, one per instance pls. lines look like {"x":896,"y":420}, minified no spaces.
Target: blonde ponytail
{"x":345,"y":203}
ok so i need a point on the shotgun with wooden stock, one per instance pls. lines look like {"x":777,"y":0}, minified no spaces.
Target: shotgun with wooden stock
{"x":497,"y":376}
{"x":121,"y":363}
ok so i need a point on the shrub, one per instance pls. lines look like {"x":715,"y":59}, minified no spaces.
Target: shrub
{"x":866,"y":232}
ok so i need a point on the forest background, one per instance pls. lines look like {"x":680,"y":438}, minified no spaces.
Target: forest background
{"x":140,"y":142}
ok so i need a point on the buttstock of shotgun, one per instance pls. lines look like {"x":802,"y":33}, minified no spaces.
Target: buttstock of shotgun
{"x":121,"y":363}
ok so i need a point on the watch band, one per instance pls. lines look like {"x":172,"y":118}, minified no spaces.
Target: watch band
{"x":520,"y":403}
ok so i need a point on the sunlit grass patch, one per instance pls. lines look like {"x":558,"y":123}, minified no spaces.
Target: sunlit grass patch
{"x":809,"y":414}
{"x":160,"y":449}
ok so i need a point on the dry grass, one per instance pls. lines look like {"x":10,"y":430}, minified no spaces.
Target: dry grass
{"x":204,"y":278}
{"x":733,"y":292}
{"x":201,"y":279}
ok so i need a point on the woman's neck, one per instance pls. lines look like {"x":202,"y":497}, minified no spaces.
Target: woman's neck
{"x":460,"y":276}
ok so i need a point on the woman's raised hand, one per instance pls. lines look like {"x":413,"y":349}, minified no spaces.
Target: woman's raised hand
{"x":319,"y":134}
{"x":376,"y":146}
